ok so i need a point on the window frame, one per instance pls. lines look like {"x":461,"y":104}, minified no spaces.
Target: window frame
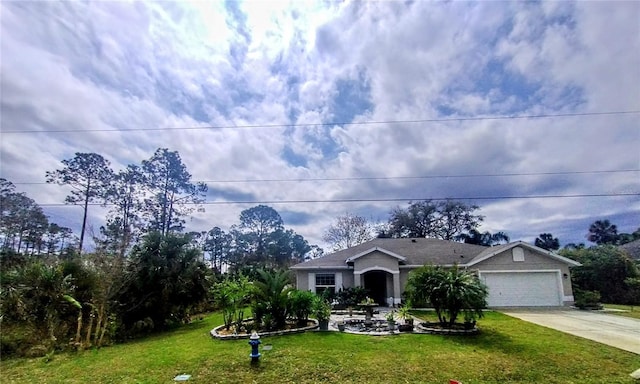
{"x":323,"y":282}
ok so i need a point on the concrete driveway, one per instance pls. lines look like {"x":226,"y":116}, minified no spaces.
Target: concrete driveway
{"x":616,"y":331}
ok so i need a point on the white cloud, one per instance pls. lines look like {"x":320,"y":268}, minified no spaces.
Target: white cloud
{"x":105,"y":66}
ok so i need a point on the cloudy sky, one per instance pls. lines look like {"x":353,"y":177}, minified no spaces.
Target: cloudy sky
{"x":376,"y":103}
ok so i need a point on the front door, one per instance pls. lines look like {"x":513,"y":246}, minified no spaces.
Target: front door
{"x":376,"y":283}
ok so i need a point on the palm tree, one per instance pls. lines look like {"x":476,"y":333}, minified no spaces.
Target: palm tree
{"x":450,"y":292}
{"x":271,"y":296}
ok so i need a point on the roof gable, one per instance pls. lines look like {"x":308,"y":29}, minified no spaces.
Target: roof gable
{"x":493,"y":251}
{"x":371,"y":250}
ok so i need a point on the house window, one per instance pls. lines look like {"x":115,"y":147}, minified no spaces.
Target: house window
{"x":518,"y":254}
{"x":325,"y":281}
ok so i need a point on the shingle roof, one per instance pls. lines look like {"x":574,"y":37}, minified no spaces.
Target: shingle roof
{"x":491,"y":250}
{"x":416,"y":251}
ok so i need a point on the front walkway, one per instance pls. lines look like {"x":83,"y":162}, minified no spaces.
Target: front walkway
{"x":616,"y":331}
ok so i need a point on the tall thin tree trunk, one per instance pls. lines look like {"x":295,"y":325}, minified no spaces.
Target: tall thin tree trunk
{"x":87,"y":339}
{"x":19,"y":242}
{"x":169,"y":213}
{"x":105,"y":324}
{"x":79,"y":329}
{"x":84,"y":216}
{"x":98,"y":324}
{"x":125,"y":231}
{"x":164,"y":206}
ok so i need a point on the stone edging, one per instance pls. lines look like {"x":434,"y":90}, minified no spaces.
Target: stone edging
{"x":214,"y":332}
{"x":424,"y":328}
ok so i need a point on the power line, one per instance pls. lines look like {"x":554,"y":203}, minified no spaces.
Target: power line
{"x":424,"y":177}
{"x":309,"y":201}
{"x":395,"y":177}
{"x":352,"y":123}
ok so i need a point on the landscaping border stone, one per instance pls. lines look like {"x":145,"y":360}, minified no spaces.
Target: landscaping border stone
{"x":430,"y":329}
{"x":214,"y":332}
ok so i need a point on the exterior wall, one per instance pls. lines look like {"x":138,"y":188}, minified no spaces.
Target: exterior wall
{"x":302,"y":280}
{"x":305,"y":279}
{"x":375,"y":260}
{"x":391,"y":291}
{"x":533,"y":261}
{"x":347,"y":279}
{"x":404,"y":276}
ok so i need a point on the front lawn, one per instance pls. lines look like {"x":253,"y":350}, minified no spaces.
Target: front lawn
{"x":507,"y":350}
{"x":629,"y":311}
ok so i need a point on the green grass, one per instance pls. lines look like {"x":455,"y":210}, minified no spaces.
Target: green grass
{"x":630,"y":311}
{"x":507,"y":350}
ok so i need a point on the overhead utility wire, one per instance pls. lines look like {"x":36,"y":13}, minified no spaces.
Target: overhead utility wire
{"x":436,"y":120}
{"x":393,"y":177}
{"x":383,"y":199}
{"x":422,"y":177}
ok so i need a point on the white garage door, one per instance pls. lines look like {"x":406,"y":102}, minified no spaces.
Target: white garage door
{"x":523,"y":289}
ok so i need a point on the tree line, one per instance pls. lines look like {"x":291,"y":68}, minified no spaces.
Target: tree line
{"x":154,"y":196}
{"x":144,"y":273}
{"x":24,"y":228}
{"x":445,"y":220}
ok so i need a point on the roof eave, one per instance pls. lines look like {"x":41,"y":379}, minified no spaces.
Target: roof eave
{"x":414,"y":266}
{"x":320,"y":267}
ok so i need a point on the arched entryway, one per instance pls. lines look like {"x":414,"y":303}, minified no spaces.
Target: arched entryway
{"x":379,"y":284}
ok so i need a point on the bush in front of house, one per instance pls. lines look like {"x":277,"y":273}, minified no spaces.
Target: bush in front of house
{"x":302,"y":304}
{"x":350,"y":297}
{"x":273,"y":301}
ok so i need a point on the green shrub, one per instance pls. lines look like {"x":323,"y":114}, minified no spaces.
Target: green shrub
{"x":271,"y":298}
{"x":321,"y":309}
{"x":301,"y":303}
{"x":232,"y":296}
{"x":164,"y":280}
{"x":588,"y":299}
{"x":350,"y":297}
{"x":605,"y":269}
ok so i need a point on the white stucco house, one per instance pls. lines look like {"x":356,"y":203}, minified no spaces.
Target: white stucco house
{"x":518,"y":274}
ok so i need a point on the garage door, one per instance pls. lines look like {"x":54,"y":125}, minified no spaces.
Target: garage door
{"x":523,"y":289}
